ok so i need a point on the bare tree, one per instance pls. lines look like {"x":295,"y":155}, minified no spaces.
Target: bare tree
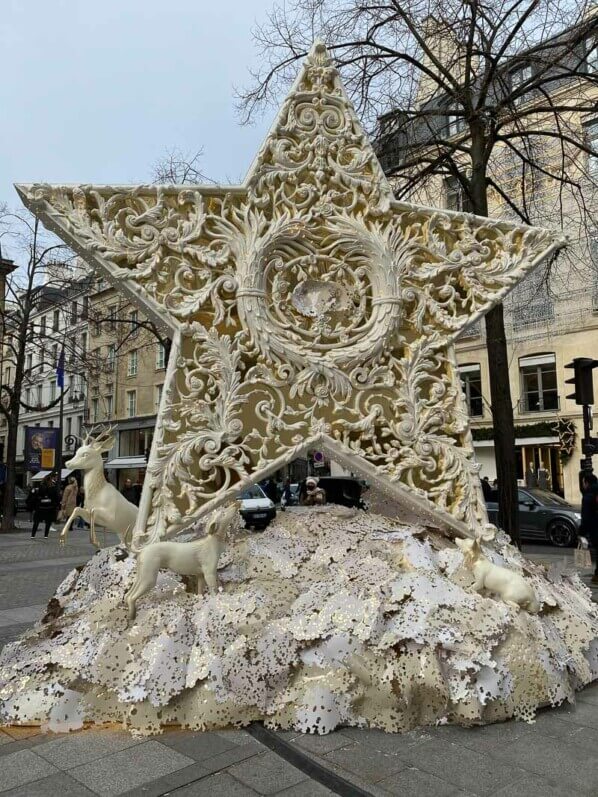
{"x":180,"y":168}
{"x":46,"y":277}
{"x":492,"y":95}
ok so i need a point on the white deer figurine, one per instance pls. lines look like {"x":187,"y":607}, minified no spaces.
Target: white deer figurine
{"x":103,"y":504}
{"x":512,"y":588}
{"x":198,"y":558}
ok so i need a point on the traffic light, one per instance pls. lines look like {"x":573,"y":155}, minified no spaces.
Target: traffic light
{"x":582,"y":380}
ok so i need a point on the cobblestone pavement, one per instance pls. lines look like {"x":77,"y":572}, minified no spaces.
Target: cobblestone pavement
{"x":552,"y":757}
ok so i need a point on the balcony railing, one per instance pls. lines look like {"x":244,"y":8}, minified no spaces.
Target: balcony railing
{"x":548,"y":401}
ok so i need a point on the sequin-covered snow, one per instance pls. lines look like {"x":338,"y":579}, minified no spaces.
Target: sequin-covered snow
{"x":320,"y":621}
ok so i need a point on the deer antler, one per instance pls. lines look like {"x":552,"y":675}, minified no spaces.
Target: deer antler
{"x":104,"y":435}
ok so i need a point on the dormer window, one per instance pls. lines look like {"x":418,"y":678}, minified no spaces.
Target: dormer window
{"x":455,"y":123}
{"x":592,"y":55}
{"x":518,"y":78}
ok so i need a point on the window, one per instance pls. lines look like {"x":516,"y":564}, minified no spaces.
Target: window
{"x":29,"y":364}
{"x":592,"y":140}
{"x":456,"y":198}
{"x":160,"y":357}
{"x":108,"y":403}
{"x":39,"y":396}
{"x":84,"y":344}
{"x":112,"y":317}
{"x":79,"y":426}
{"x":54,"y":354}
{"x":69,"y":426}
{"x":28,"y":396}
{"x":158,"y":397}
{"x":591,"y":55}
{"x":131,"y":403}
{"x":132,"y":363}
{"x":85,"y":307}
{"x":111,"y":357}
{"x":7,"y":375}
{"x":518,"y":78}
{"x":56,"y":321}
{"x":454,"y":122}
{"x":52,"y":389}
{"x":73,"y":312}
{"x":42,"y":325}
{"x":135,"y":442}
{"x":134,"y":320}
{"x":95,"y":413}
{"x":471,"y":381}
{"x":51,"y":424}
{"x":538,"y":383}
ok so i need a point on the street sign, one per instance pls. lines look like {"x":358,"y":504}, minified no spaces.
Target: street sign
{"x":318,"y":459}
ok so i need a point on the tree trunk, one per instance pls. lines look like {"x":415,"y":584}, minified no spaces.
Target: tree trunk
{"x":498,"y":363}
{"x":8,"y":515}
{"x":503,"y":425}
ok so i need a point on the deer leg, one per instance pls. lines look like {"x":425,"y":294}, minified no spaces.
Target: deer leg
{"x":78,"y":511}
{"x":92,"y":529}
{"x":144,"y":582}
{"x":211,"y":578}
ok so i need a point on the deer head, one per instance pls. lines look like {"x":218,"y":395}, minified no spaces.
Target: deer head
{"x":89,"y":454}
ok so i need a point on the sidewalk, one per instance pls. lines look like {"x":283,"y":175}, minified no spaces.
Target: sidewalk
{"x":552,"y":757}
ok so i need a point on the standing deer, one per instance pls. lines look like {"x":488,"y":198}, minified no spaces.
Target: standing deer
{"x":103,"y":503}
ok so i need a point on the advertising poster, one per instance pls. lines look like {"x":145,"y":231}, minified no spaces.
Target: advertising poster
{"x":40,"y":446}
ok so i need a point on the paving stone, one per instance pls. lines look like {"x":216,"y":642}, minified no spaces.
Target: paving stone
{"x":588,"y":695}
{"x":170,"y":783}
{"x":59,"y":785}
{"x":463,"y":767}
{"x":413,"y":782}
{"x":239,"y":737}
{"x":127,"y":769}
{"x":5,"y":738}
{"x":533,"y":786}
{"x":198,"y":745}
{"x":267,"y":773}
{"x":319,"y":745}
{"x":582,"y":713}
{"x":307,"y":788}
{"x":75,"y":749}
{"x":391,"y":743}
{"x":219,"y":785}
{"x":232,"y":756}
{"x":23,"y":767}
{"x":371,"y":765}
{"x":556,"y":759}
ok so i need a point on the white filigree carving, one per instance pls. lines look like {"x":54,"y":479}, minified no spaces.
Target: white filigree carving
{"x":308,"y":306}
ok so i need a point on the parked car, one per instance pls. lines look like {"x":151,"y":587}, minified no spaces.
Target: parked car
{"x":543,"y":516}
{"x":20,"y":499}
{"x":257,"y":510}
{"x":343,"y":490}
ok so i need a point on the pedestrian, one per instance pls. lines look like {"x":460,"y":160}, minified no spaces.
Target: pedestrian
{"x":271,"y":491}
{"x":486,"y":488}
{"x":47,"y":501}
{"x":530,"y":478}
{"x":68,"y":501}
{"x":130,"y":492}
{"x":589,"y":516}
{"x":81,"y":503}
{"x":314,"y":495}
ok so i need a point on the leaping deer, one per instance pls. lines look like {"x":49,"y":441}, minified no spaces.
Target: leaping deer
{"x":103,"y":502}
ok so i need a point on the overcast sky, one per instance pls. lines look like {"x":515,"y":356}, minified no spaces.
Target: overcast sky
{"x":96,"y":91}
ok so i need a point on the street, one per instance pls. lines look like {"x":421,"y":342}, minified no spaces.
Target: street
{"x":553,"y":756}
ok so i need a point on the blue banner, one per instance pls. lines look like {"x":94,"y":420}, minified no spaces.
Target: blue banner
{"x":40,"y":441}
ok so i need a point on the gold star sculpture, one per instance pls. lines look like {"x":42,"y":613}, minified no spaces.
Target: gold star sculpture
{"x":308,"y":310}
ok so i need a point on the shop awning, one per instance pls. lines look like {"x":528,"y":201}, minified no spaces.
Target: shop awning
{"x":43,"y":473}
{"x":118,"y":463}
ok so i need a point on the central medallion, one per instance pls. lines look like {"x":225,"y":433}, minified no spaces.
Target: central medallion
{"x":314,"y":298}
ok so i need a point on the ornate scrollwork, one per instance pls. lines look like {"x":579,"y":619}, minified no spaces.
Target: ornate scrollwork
{"x":310,"y":306}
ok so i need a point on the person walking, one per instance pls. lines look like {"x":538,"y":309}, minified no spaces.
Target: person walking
{"x":80,"y":502}
{"x":129,"y":492}
{"x":589,"y":516}
{"x":47,"y":501}
{"x":69,"y":499}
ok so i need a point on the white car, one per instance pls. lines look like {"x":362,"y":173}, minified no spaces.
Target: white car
{"x":257,"y":510}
